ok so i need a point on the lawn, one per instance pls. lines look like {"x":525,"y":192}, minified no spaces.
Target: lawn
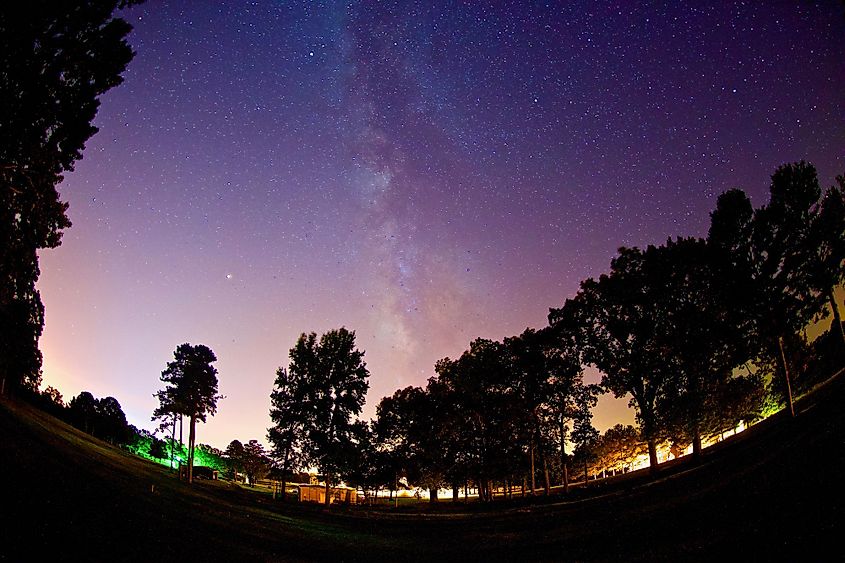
{"x":773,"y":493}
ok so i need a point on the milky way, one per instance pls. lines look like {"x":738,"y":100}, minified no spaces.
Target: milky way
{"x":423,"y":174}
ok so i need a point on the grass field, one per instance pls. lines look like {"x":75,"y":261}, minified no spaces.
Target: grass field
{"x":774,"y":493}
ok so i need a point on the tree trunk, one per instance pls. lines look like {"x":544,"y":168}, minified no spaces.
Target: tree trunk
{"x":652,"y":455}
{"x":533,"y":484}
{"x":564,"y":464}
{"x":524,"y":486}
{"x":546,"y":474}
{"x":328,"y":498}
{"x":837,"y":320}
{"x":696,"y":443}
{"x":455,"y":489}
{"x":172,"y":441}
{"x":180,"y":429}
{"x":192,"y":433}
{"x":432,"y":495}
{"x":785,"y":369}
{"x":586,"y":472}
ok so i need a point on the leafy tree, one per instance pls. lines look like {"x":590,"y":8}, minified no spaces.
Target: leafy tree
{"x":360,"y":463}
{"x":57,"y":58}
{"x":700,"y":337}
{"x":334,"y":376}
{"x":83,"y":412}
{"x":112,"y":421}
{"x":191,"y":389}
{"x":562,"y":345}
{"x":54,"y":396}
{"x":584,"y":435}
{"x":412,"y":437}
{"x":167,"y":413}
{"x":291,"y":410}
{"x":255,"y":462}
{"x":616,"y":321}
{"x":488,"y":428}
{"x":784,"y":301}
{"x":531,"y":381}
{"x":235,"y":454}
{"x":826,"y":251}
{"x":619,"y":447}
{"x":157,"y":449}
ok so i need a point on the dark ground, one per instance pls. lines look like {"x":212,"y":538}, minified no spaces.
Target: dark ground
{"x":773,"y":493}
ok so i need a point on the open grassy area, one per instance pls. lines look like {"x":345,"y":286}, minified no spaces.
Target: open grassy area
{"x":774,"y":493}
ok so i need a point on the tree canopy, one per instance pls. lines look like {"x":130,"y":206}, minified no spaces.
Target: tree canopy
{"x":57,"y":59}
{"x":315,"y":401}
{"x":190,"y":390}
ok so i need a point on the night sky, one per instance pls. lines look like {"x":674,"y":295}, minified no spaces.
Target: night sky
{"x":423,"y":175}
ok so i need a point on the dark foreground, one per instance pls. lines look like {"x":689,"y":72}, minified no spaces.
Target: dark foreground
{"x":775,"y":493}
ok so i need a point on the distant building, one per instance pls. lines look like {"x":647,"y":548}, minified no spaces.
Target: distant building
{"x":317,"y":493}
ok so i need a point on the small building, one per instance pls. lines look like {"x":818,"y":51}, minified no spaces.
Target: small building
{"x":317,"y":493}
{"x":200,"y":472}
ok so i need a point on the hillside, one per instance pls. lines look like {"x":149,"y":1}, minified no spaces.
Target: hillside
{"x":775,"y":493}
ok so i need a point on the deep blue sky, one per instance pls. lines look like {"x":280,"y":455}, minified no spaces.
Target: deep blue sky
{"x":422,"y":173}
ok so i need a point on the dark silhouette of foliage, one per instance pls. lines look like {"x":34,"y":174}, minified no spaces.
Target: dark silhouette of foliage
{"x":617,"y":322}
{"x":825,"y":248}
{"x":618,"y":448}
{"x":697,"y":331}
{"x":103,"y":418}
{"x":584,"y":434}
{"x":234,"y":456}
{"x":330,"y":378}
{"x":83,"y":412}
{"x":191,"y":390}
{"x":291,"y":412}
{"x":255,"y":462}
{"x":157,"y":448}
{"x":785,"y":302}
{"x":562,"y":345}
{"x":412,"y":438}
{"x":57,"y":58}
{"x":112,"y":421}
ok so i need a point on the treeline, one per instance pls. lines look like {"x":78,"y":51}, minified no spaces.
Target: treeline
{"x":700,"y":334}
{"x":103,"y":418}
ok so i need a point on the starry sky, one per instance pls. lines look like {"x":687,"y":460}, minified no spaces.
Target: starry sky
{"x":423,"y":173}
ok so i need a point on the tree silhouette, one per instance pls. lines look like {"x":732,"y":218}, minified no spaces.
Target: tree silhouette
{"x":404,"y":431}
{"x":157,"y":448}
{"x":531,"y":380}
{"x":333,"y":376}
{"x":191,"y":389}
{"x":698,"y":336}
{"x":784,"y":301}
{"x":112,"y":421}
{"x":561,"y":341}
{"x":291,"y":413}
{"x":616,"y":321}
{"x":584,"y":434}
{"x":826,"y":251}
{"x":83,"y":412}
{"x":234,"y":455}
{"x":57,"y":59}
{"x":254,"y":461}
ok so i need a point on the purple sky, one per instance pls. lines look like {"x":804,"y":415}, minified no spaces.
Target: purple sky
{"x":422,"y":175}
